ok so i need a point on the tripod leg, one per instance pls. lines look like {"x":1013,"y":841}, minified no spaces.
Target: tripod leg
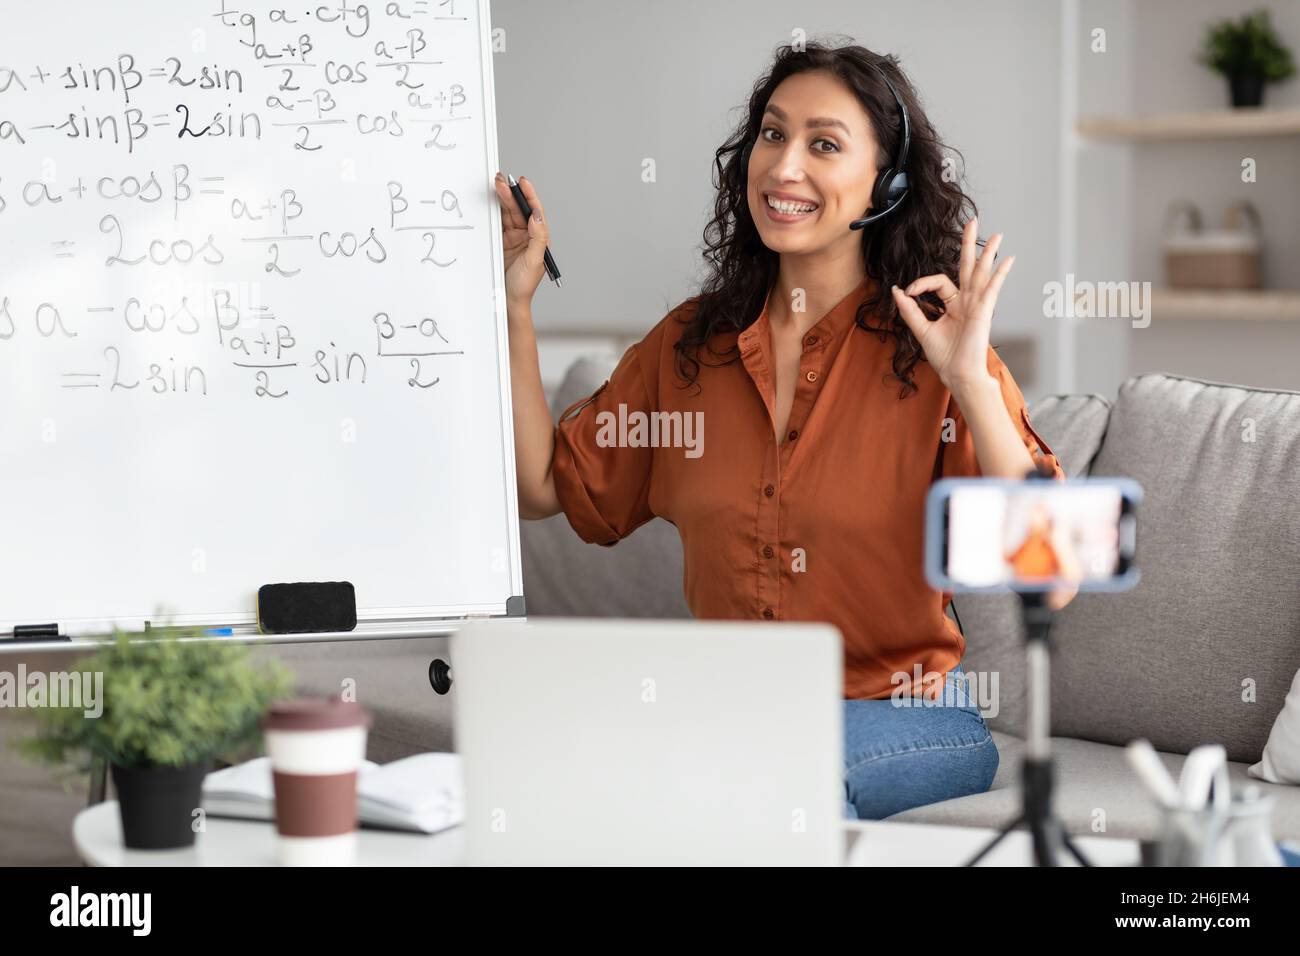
{"x":996,"y":840}
{"x":1078,"y":854}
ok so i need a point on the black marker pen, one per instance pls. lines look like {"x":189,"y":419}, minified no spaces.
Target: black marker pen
{"x":551,"y":269}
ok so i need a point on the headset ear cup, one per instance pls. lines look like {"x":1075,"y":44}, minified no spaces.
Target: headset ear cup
{"x":897,"y":188}
{"x":890,"y":189}
{"x":880,"y":191}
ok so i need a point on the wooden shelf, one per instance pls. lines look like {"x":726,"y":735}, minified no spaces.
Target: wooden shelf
{"x":1281,"y":305}
{"x":1211,"y":124}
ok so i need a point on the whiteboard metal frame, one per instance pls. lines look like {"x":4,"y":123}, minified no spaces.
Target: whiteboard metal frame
{"x":381,"y":631}
{"x":502,"y":323}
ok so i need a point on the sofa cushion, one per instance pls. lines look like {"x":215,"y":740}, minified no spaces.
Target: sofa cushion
{"x":564,"y":576}
{"x":1073,"y":425}
{"x":1094,"y":786}
{"x":1203,"y":649}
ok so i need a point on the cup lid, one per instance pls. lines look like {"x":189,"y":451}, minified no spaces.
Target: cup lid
{"x":315,"y":713}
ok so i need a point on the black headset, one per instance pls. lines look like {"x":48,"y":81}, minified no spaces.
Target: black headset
{"x":891,"y":184}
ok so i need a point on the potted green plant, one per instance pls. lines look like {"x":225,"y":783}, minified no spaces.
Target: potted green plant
{"x":1249,"y":53}
{"x":170,"y":703}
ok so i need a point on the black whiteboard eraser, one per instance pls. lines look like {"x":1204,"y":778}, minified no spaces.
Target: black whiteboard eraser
{"x":37,"y":632}
{"x":306,"y":607}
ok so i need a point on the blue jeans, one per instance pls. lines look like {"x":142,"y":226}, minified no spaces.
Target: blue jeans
{"x":899,"y":757}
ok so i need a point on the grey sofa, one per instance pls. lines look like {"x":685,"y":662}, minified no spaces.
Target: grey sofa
{"x":1202,"y":650}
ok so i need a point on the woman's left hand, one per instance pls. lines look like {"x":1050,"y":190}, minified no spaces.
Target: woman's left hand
{"x":957,"y":343}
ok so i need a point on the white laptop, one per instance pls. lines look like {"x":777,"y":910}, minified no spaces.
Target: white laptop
{"x":611,"y":742}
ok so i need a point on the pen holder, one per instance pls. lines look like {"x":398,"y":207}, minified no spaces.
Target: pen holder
{"x":1190,"y":837}
{"x":1250,"y":831}
{"x":1239,"y":834}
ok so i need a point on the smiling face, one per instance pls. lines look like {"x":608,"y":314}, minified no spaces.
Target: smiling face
{"x":815,"y":158}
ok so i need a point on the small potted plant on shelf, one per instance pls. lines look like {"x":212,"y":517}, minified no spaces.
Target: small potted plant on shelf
{"x":1249,"y":53}
{"x":158,"y":708}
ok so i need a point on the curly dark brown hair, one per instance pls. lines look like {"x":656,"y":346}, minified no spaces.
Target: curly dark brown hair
{"x":921,"y":237}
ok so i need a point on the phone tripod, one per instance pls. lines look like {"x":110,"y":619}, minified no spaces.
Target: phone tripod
{"x":1049,"y":836}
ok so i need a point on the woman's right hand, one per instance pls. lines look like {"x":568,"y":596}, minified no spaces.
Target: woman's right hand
{"x":524,"y":243}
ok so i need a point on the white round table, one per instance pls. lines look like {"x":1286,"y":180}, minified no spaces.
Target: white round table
{"x":97,"y":833}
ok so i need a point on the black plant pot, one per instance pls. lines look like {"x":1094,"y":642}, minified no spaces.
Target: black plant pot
{"x":158,"y":804}
{"x":1247,"y":89}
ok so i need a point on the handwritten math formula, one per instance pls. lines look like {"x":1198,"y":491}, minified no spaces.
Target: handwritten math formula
{"x":240,"y":198}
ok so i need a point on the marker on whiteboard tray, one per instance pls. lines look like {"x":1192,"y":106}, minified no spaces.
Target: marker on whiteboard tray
{"x":552,"y":269}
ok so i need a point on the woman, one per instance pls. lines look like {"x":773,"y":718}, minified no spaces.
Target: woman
{"x":830,"y":397}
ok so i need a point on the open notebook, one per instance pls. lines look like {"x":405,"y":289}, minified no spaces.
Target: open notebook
{"x":422,"y":794}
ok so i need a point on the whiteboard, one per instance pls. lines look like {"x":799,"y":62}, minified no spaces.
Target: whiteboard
{"x":252,"y":328}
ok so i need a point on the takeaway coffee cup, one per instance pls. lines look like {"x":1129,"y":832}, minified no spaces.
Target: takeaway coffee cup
{"x":317,"y":745}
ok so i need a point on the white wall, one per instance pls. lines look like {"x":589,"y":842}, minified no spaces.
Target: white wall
{"x":1103,"y":242}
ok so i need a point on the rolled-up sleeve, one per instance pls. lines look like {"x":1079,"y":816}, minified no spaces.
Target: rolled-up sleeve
{"x":958,"y":452}
{"x":603,"y":484}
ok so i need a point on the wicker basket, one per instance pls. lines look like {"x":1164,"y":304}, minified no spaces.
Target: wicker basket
{"x":1227,"y":258}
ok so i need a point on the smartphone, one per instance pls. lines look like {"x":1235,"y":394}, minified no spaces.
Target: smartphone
{"x":993,"y":534}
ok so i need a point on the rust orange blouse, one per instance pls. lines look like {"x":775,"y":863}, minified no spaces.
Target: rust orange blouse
{"x":828,"y":525}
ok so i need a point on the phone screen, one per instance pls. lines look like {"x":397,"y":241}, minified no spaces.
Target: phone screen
{"x":1036,"y":533}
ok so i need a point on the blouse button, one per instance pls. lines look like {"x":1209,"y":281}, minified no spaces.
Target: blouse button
{"x":769,"y":491}
{"x":767,"y":613}
{"x":810,"y":341}
{"x":794,"y":433}
{"x":811,"y":376}
{"x":767,"y":551}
